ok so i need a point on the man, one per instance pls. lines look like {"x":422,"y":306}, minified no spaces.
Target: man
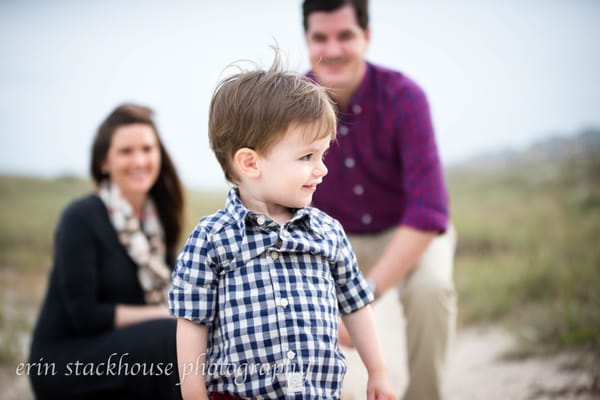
{"x":386,"y":185}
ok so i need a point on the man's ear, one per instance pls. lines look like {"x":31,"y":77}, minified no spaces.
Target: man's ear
{"x":246,"y":162}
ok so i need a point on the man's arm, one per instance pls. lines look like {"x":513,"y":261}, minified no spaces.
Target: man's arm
{"x":400,"y":256}
{"x":191,"y":358}
{"x":362,"y":329}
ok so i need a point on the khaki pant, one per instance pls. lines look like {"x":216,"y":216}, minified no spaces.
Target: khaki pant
{"x":428,"y":305}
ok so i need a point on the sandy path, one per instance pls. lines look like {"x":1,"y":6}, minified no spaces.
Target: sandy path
{"x":475,"y":367}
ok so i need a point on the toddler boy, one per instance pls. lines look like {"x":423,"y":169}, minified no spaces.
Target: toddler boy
{"x":260,"y":284}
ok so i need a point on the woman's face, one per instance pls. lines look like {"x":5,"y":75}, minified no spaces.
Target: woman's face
{"x":133,"y":159}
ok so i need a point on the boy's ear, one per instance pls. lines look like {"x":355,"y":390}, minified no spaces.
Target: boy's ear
{"x":246,"y":162}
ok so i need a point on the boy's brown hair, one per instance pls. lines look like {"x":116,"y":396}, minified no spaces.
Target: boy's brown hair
{"x":254,"y":109}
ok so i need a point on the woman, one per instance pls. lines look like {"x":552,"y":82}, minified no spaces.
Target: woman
{"x":104,"y":330}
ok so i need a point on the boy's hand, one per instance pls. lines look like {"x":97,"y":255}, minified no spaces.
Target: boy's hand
{"x":379,"y":387}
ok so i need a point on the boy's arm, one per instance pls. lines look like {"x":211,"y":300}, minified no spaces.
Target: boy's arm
{"x":191,"y":357}
{"x":362,"y":329}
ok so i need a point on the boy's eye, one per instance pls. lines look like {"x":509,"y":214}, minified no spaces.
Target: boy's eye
{"x":306,"y":157}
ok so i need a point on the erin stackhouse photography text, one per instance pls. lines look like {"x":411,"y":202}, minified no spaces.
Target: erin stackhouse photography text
{"x":115,"y":365}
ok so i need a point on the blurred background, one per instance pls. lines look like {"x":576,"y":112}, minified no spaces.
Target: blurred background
{"x":514,"y":91}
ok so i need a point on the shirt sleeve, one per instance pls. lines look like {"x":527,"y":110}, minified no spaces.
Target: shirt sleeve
{"x":352,"y":290}
{"x":76,"y":261}
{"x":423,"y":184}
{"x":193,"y":292}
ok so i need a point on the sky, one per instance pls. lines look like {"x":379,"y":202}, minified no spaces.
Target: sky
{"x":498,"y":74}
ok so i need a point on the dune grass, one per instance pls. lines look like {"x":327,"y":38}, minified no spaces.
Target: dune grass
{"x":529,"y":251}
{"x":30,"y":210}
{"x":528,"y":254}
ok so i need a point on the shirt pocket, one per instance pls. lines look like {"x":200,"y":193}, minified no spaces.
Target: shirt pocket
{"x":319,"y":287}
{"x":320,"y":306}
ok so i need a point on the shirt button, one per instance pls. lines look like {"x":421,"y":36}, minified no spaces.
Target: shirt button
{"x":366,"y":219}
{"x":291,"y":355}
{"x":285,"y":233}
{"x":349,"y":162}
{"x":284,"y":302}
{"x":260,"y":219}
{"x":358,"y":190}
{"x":274,"y":255}
{"x":344,"y":130}
{"x":356,"y":109}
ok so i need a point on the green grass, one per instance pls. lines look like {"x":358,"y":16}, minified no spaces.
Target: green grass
{"x":30,"y":211}
{"x":30,"y":208}
{"x":529,"y":252}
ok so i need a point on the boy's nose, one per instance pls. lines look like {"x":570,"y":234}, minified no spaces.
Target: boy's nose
{"x":321,"y":169}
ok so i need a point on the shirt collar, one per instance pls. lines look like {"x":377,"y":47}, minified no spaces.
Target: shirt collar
{"x":243,"y":217}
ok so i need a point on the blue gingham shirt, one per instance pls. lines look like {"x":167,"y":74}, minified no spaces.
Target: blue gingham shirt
{"x":271,"y":295}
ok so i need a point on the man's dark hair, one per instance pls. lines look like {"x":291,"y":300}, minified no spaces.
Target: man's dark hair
{"x":361,"y":10}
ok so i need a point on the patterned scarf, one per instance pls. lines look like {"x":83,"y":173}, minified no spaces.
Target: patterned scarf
{"x":143,"y":241}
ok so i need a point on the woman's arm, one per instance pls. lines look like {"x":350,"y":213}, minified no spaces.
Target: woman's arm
{"x":76,"y":255}
{"x":191,"y":358}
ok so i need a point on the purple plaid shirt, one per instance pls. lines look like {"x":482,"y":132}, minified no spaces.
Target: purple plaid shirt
{"x":384,"y":168}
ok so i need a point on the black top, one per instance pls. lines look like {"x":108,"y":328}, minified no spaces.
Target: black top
{"x":92,"y":273}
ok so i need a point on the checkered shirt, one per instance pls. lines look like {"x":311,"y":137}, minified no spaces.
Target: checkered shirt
{"x":271,"y":295}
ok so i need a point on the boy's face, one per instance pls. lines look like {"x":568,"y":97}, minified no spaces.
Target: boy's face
{"x":337,"y":46}
{"x":292,"y":169}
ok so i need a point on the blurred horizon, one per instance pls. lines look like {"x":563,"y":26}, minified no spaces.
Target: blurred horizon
{"x":499,"y":75}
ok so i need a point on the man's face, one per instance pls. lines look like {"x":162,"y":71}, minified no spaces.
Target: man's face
{"x":336,"y":46}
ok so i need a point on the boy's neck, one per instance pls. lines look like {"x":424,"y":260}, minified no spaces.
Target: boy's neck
{"x":276,"y":212}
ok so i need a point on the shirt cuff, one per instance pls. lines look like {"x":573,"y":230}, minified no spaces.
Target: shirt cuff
{"x":426,"y":219}
{"x":354,"y":295}
{"x":194,"y":303}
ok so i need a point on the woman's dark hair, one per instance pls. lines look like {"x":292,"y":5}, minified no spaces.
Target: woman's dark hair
{"x":361,"y":10}
{"x":167,"y":191}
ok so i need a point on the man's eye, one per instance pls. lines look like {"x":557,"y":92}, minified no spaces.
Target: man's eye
{"x":347,"y":35}
{"x":319,"y":38}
